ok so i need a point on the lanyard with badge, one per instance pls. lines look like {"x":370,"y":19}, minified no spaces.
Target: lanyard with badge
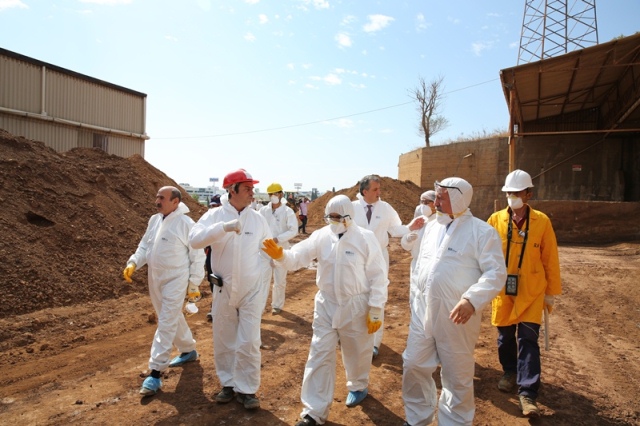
{"x":511,"y":287}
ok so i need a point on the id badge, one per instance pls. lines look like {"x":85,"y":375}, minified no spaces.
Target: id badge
{"x":511,"y":287}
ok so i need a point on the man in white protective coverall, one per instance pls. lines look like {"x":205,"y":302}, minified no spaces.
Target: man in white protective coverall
{"x":175,"y":269}
{"x":352,"y":290}
{"x":378,"y":216}
{"x":411,"y":243}
{"x":284,"y":226}
{"x":242,"y":273}
{"x":460,"y":269}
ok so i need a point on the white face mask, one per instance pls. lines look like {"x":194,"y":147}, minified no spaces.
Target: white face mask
{"x":515,"y":202}
{"x":274,"y":199}
{"x":337,"y":228}
{"x":426,"y":210}
{"x":443,"y":218}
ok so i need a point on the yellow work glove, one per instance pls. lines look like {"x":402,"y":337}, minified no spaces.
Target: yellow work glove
{"x":193,"y":292}
{"x":128,"y":271}
{"x":272,"y":249}
{"x":548,"y":302}
{"x":374,"y":320}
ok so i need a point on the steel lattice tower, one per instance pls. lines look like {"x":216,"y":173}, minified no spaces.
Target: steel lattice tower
{"x":555,"y":27}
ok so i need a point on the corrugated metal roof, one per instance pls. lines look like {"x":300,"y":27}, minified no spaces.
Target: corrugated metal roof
{"x":604,"y":79}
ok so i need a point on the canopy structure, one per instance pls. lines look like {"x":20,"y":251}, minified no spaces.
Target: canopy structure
{"x":592,"y":90}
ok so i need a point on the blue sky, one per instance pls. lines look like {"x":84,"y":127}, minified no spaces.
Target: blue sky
{"x":295,"y":91}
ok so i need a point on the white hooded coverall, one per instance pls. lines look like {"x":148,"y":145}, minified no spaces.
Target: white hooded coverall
{"x":384,"y":221}
{"x":351,"y":277}
{"x":172,"y":265}
{"x":414,"y":248}
{"x":467,"y":264}
{"x":237,"y":306}
{"x":284,"y":226}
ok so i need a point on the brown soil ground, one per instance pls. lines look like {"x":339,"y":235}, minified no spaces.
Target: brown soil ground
{"x":75,"y":338}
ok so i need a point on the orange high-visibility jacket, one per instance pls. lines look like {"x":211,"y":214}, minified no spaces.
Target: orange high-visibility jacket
{"x":539,"y":274}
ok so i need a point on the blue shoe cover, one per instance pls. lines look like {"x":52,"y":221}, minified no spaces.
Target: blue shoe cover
{"x":150,"y":386}
{"x":355,"y":397}
{"x":183,"y":359}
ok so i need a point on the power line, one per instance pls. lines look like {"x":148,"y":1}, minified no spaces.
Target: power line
{"x":271,"y":129}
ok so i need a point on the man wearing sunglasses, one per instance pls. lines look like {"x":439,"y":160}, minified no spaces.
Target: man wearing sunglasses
{"x":460,"y":269}
{"x":352,"y":290}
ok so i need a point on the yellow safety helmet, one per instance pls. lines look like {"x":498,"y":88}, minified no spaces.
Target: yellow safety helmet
{"x":273,"y":188}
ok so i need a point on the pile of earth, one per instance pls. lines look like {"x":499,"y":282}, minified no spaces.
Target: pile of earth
{"x":71,"y":220}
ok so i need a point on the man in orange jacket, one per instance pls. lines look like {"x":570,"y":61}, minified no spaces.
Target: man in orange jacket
{"x":533,"y":280}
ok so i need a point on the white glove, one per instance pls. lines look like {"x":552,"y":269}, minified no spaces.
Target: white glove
{"x":412,"y":236}
{"x":232,"y":226}
{"x":193,"y":292}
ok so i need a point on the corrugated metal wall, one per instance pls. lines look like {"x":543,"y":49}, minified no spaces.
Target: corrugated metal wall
{"x":87,"y":102}
{"x":20,"y":84}
{"x":69,"y":96}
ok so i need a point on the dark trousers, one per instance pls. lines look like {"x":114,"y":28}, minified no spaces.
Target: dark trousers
{"x":303,"y":226}
{"x":519,"y":353}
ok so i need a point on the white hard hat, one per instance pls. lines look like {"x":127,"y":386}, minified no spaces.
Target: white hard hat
{"x":516,"y":181}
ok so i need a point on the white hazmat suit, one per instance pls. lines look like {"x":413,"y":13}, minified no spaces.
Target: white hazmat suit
{"x":461,"y":261}
{"x":237,"y":306}
{"x":172,"y":265}
{"x":284,"y":226}
{"x":351,"y":278}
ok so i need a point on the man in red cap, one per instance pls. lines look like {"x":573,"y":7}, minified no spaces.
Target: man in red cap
{"x":242,"y":273}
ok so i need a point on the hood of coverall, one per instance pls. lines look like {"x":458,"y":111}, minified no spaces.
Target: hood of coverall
{"x":428,"y":195}
{"x":461,"y":199}
{"x":340,"y":204}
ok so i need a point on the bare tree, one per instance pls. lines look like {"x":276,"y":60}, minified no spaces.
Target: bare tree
{"x":429,"y":97}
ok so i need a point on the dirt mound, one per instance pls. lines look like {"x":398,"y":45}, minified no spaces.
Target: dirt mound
{"x":69,"y":223}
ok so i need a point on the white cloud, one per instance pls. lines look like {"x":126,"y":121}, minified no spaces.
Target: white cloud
{"x":249,"y":37}
{"x":311,"y":86}
{"x":453,"y":20}
{"x":513,"y":45}
{"x":320,"y":4}
{"x":480,"y":46}
{"x":377,"y":22}
{"x":493,"y":14}
{"x":170,"y":38}
{"x":386,"y":131}
{"x":252,"y":1}
{"x":9,"y":4}
{"x":343,"y":123}
{"x":348,"y":20}
{"x":107,"y":2}
{"x":343,"y":40}
{"x":330,"y":79}
{"x":421,"y":23}
{"x":263,"y":18}
{"x":357,"y":86}
{"x":291,"y":66}
{"x":306,"y":66}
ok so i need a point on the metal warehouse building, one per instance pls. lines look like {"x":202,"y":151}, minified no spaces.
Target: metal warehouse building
{"x":65,"y":109}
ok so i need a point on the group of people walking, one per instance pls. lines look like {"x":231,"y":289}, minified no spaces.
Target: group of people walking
{"x":460,"y":265}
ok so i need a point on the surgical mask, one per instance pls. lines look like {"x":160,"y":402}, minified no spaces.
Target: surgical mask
{"x":443,"y":218}
{"x":515,"y":202}
{"x":426,"y":210}
{"x":337,"y":228}
{"x":274,"y":199}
